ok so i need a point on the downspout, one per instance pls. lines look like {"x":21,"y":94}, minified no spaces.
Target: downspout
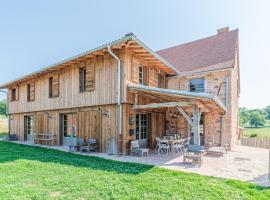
{"x":118,"y":89}
{"x":226,"y":104}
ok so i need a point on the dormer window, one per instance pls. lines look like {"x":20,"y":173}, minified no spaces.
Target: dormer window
{"x":196,"y":85}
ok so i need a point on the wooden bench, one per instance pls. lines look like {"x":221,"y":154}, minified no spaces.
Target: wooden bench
{"x":44,"y":137}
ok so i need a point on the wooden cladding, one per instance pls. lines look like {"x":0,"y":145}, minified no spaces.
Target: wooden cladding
{"x":31,"y":91}
{"x":161,"y":81}
{"x":87,"y":78}
{"x":54,"y":86}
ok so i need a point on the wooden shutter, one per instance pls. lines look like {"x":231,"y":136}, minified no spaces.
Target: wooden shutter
{"x":55,"y":86}
{"x":145,"y":76}
{"x":90,"y":77}
{"x":135,"y":71}
{"x":17,"y":93}
{"x":32,"y":91}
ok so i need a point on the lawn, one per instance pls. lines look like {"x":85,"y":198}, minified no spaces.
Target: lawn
{"x":3,"y":126}
{"x":258,"y":132}
{"x":36,"y":173}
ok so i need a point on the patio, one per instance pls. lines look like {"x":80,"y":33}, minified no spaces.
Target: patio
{"x":243,"y":163}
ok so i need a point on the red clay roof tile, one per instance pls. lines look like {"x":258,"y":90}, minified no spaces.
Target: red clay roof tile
{"x":202,"y":53}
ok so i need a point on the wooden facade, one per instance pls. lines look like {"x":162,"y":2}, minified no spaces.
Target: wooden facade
{"x":96,"y":108}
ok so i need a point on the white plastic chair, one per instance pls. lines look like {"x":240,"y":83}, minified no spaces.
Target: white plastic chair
{"x":162,"y":146}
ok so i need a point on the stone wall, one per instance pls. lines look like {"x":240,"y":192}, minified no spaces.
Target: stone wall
{"x":215,"y":84}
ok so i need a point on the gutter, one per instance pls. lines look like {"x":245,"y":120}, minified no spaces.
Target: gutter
{"x":118,"y":89}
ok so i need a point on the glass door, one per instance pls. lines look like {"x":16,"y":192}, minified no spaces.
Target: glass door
{"x":142,"y":129}
{"x":28,"y":128}
{"x":68,"y":128}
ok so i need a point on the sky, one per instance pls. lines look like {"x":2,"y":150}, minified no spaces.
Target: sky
{"x":36,"y":34}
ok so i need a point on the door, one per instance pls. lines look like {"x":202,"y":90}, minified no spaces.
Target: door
{"x":68,"y":128}
{"x":28,"y":128}
{"x":142,"y":129}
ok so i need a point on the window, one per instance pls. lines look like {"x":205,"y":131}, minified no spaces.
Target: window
{"x":31,"y":92}
{"x":54,"y":86}
{"x":161,"y":81}
{"x":13,"y":94}
{"x":141,"y":126}
{"x":50,"y":87}
{"x":196,"y":85}
{"x":83,"y":79}
{"x":87,"y":78}
{"x":68,"y":125}
{"x":141,"y":75}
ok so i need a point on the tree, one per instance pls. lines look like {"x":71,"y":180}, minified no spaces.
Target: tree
{"x":244,"y":116}
{"x":3,"y":107}
{"x":267,"y":110}
{"x":257,"y":118}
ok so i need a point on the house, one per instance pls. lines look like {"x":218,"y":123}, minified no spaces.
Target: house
{"x":123,"y":91}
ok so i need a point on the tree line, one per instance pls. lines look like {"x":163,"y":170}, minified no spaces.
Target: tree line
{"x":254,"y":117}
{"x":3,"y":108}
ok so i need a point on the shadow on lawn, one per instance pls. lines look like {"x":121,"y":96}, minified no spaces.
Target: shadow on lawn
{"x":11,"y":152}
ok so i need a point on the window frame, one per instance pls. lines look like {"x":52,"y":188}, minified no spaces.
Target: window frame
{"x":13,"y":94}
{"x":29,"y":92}
{"x":196,"y":87}
{"x":82,"y":80}
{"x":161,"y":81}
{"x":141,"y":75}
{"x":50,"y":87}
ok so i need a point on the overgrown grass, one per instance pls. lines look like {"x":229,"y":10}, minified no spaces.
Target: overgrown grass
{"x":3,"y":126}
{"x":257,"y":132}
{"x":36,"y":173}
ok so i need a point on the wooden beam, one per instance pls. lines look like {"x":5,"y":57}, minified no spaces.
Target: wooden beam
{"x":185,"y":115}
{"x":161,"y":105}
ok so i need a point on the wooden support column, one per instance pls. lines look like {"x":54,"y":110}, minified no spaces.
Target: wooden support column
{"x":185,"y":115}
{"x":196,"y":124}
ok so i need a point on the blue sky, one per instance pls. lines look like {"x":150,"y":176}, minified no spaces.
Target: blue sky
{"x":36,"y":34}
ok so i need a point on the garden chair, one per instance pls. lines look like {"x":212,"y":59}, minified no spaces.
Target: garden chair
{"x":77,"y":145}
{"x":194,"y":153}
{"x":177,"y":147}
{"x":162,"y":146}
{"x":91,"y":146}
{"x":135,"y":148}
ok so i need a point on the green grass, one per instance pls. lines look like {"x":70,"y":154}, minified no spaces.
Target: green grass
{"x":36,"y":173}
{"x":3,"y":126}
{"x":258,"y":132}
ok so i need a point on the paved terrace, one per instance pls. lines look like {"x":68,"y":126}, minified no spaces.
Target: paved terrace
{"x":243,"y":163}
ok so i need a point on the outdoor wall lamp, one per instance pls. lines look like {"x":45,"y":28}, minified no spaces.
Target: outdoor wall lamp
{"x":131,"y":120}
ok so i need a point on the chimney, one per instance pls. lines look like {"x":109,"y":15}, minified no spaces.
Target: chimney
{"x":223,"y":30}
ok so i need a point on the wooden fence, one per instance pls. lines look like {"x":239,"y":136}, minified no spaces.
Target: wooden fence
{"x":256,"y":142}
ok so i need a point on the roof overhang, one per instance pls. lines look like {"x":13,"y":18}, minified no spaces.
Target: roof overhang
{"x":129,"y":41}
{"x":204,"y":100}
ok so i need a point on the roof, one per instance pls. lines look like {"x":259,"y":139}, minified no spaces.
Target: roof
{"x":211,"y":101}
{"x":128,"y":37}
{"x":209,"y":51}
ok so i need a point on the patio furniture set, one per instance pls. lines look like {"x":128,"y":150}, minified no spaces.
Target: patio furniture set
{"x":170,"y":145}
{"x":80,"y":145}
